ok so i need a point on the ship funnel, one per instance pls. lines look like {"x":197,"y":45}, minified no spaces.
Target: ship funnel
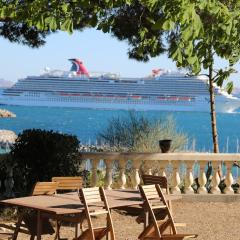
{"x":78,"y":67}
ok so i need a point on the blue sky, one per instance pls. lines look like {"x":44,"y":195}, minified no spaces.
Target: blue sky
{"x":100,"y":52}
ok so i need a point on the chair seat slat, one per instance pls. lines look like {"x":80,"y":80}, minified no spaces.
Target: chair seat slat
{"x":159,"y":207}
{"x":99,"y":212}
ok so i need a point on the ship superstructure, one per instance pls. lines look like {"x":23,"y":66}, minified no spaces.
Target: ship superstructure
{"x":79,"y":88}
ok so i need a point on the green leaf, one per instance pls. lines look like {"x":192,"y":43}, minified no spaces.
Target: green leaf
{"x":94,"y":21}
{"x":151,"y":20}
{"x":179,"y":57}
{"x":187,"y":34}
{"x":150,"y":3}
{"x":223,"y":75}
{"x":67,"y":26}
{"x":174,"y":54}
{"x":158,"y":24}
{"x":142,"y":33}
{"x":219,"y":80}
{"x":196,"y":68}
{"x":40,"y":23}
{"x":229,"y":87}
{"x":65,"y":7}
{"x":53,"y":23}
{"x":168,"y":25}
{"x":192,"y":60}
{"x":189,"y":49}
{"x":3,"y":12}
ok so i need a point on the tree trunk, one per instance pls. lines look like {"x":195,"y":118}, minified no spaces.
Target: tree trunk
{"x":213,"y":111}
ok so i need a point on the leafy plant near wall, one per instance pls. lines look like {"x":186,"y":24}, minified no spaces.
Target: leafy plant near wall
{"x":39,"y":155}
{"x":136,"y":133}
{"x":4,"y":159}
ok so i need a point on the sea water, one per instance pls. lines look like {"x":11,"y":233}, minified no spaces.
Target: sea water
{"x":87,"y":123}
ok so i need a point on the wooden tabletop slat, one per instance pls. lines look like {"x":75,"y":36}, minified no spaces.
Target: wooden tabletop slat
{"x":69,"y":203}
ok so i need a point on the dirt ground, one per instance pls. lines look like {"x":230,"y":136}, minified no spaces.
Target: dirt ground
{"x":211,"y":221}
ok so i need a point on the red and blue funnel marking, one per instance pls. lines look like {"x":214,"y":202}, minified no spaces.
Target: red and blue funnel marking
{"x":78,"y":67}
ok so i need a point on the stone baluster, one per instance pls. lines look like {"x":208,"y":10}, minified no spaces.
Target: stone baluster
{"x":148,"y":167}
{"x":189,"y":177}
{"x":237,"y":179}
{"x":122,"y":177}
{"x":162,"y":168}
{"x":175,"y":178}
{"x":9,"y":182}
{"x":108,"y":176}
{"x":229,"y":179}
{"x":202,"y":179}
{"x":94,"y":172}
{"x":215,"y":179}
{"x":135,"y":173}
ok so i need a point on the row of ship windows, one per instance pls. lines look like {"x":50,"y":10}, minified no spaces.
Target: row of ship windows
{"x":62,"y":81}
{"x":113,"y":86}
{"x":109,"y":86}
{"x":123,"y":81}
{"x":113,"y":101}
{"x":161,"y":97}
{"x":154,"y":83}
{"x":45,"y":88}
{"x":110,"y":89}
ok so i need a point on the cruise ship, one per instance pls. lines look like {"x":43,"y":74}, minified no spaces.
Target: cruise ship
{"x":162,"y":90}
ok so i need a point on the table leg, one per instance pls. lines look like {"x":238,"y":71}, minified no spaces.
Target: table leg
{"x":146,"y":219}
{"x":76,"y":230}
{"x":39,"y":225}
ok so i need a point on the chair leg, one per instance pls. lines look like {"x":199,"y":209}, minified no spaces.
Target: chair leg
{"x":57,"y":235}
{"x":32,"y":237}
{"x":17,"y":228}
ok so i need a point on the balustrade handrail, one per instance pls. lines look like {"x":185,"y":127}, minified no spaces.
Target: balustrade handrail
{"x":177,"y":156}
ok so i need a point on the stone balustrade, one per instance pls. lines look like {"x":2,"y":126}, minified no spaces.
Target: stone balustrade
{"x":123,"y":170}
{"x":181,"y":169}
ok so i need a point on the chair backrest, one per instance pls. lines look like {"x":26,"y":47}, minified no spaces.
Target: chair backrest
{"x":95,"y":203}
{"x":150,"y":195}
{"x":161,"y":180}
{"x":44,"y":188}
{"x":68,"y":183}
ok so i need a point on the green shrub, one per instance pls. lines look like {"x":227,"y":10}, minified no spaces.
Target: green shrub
{"x":4,"y":159}
{"x":38,"y":155}
{"x":136,"y":133}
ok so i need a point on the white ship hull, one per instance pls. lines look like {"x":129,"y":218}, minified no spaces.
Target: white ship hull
{"x":77,"y":88}
{"x":200,"y":104}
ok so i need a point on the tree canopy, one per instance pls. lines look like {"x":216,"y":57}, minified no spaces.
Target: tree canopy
{"x":192,"y":33}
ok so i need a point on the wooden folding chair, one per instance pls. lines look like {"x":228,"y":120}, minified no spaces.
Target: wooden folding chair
{"x":161,"y":180}
{"x":95,"y":204}
{"x":156,"y":228}
{"x":45,"y":188}
{"x":27,"y":221}
{"x":163,"y":183}
{"x":68,"y":183}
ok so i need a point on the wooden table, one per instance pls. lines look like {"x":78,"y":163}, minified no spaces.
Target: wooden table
{"x":69,"y":203}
